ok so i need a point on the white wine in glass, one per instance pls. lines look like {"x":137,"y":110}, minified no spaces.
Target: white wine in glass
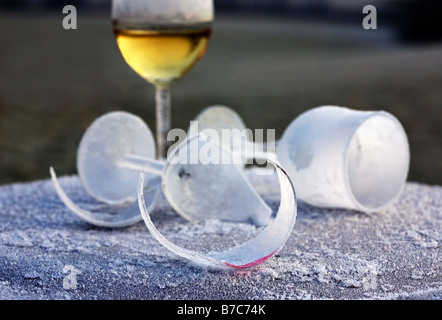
{"x":162,"y":40}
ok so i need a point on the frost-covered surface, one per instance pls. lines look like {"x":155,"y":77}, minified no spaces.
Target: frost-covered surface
{"x":331,"y":254}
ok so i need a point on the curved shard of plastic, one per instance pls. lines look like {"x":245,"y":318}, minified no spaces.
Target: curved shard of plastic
{"x":121,"y":219}
{"x":251,"y":253}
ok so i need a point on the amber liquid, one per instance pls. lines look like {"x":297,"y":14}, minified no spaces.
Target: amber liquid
{"x":163,"y":54}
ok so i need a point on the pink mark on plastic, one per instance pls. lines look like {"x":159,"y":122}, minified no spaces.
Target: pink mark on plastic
{"x":251,"y":264}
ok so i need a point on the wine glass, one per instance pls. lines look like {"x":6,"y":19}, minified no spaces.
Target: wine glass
{"x":162,"y":40}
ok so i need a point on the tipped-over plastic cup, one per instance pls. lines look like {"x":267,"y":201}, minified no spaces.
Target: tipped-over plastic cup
{"x":343,"y":158}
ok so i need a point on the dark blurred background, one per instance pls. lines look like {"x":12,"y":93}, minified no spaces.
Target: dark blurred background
{"x":268,"y":59}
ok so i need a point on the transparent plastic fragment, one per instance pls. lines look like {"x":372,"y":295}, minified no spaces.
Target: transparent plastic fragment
{"x":249,"y":254}
{"x":123,"y":218}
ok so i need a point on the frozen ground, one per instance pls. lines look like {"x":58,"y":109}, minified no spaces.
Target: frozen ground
{"x":48,"y":253}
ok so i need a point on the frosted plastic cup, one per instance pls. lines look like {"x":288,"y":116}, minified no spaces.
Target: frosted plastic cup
{"x":343,"y":158}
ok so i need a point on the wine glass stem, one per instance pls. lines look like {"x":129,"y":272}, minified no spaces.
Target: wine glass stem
{"x":163,"y":118}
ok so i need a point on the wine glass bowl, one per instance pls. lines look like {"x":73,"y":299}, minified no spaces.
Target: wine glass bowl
{"x":162,"y":40}
{"x":162,"y":56}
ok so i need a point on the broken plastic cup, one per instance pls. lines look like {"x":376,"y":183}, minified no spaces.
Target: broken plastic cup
{"x":118,"y":146}
{"x":200,"y":186}
{"x":343,"y":158}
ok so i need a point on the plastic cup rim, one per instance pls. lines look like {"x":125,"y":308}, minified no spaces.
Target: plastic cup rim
{"x":357,"y":203}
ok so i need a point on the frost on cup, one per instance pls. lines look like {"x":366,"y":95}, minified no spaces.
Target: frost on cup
{"x":343,"y":158}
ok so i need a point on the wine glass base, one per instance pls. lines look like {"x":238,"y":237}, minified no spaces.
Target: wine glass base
{"x":218,"y":118}
{"x":101,"y":153}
